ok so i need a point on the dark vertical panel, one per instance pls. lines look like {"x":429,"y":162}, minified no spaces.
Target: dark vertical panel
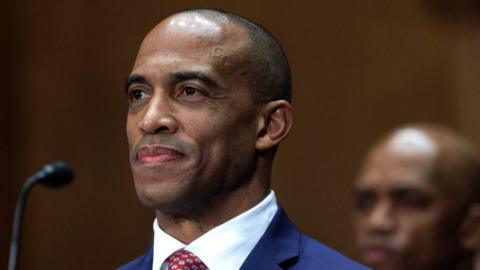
{"x":5,"y":137}
{"x":9,"y":122}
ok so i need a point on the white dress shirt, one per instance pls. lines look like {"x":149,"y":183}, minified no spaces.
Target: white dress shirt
{"x":225,"y":246}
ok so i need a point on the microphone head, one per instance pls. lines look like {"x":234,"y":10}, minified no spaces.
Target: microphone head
{"x":55,"y":174}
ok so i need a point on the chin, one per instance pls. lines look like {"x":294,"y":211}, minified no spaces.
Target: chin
{"x":151,"y":200}
{"x":163,"y":196}
{"x":152,"y":194}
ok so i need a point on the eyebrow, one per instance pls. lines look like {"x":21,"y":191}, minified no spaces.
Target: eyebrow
{"x":194,"y":75}
{"x":361,"y":188}
{"x":134,"y":78}
{"x":402,"y":190}
{"x":392,"y":190}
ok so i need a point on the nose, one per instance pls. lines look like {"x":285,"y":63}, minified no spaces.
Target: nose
{"x":381,"y":219}
{"x":159,"y":117}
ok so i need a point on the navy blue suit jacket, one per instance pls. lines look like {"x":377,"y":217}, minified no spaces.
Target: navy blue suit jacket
{"x":282,"y":246}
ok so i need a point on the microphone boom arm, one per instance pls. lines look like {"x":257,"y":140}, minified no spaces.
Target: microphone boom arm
{"x":17,"y":221}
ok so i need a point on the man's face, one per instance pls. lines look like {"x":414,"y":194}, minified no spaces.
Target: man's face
{"x":403,"y":220}
{"x":191,"y":123}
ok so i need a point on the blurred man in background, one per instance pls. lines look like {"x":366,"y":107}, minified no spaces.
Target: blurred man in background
{"x":417,"y":204}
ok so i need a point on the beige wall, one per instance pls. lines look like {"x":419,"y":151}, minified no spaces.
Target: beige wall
{"x":359,"y":68}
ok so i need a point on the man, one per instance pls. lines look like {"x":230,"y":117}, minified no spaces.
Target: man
{"x":209,"y":102}
{"x":417,"y":201}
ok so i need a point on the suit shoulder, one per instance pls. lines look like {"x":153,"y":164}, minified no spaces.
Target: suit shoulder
{"x":314,"y":252}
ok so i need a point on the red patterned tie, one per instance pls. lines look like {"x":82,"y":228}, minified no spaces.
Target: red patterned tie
{"x":185,"y":260}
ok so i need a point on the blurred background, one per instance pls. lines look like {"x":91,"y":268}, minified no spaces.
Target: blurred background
{"x":359,"y":69}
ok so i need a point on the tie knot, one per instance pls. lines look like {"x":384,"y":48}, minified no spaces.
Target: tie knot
{"x":185,"y":260}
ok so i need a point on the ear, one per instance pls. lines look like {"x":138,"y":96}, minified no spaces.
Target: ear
{"x":470,"y":237}
{"x":274,"y":124}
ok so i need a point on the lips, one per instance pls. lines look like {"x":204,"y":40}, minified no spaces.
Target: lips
{"x":376,"y":255}
{"x":151,"y":155}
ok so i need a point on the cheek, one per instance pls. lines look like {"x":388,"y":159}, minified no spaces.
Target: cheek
{"x":220,"y":131}
{"x":359,"y":222}
{"x":418,"y":226}
{"x":131,"y":130}
{"x":424,"y":238}
{"x":226,"y":144}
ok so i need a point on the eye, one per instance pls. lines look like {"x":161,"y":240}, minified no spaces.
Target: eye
{"x":365,"y":201}
{"x":192,"y":93}
{"x":189,"y":90}
{"x":136,"y":95}
{"x":412,"y":199}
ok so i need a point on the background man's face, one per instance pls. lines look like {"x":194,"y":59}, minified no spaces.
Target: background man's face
{"x":191,"y":123}
{"x":401,"y":217}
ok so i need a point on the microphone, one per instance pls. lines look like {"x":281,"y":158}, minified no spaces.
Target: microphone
{"x":54,"y":175}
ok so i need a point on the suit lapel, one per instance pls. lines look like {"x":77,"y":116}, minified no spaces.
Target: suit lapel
{"x":259,"y":259}
{"x":278,"y":247}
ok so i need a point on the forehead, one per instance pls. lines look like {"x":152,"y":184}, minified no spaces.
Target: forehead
{"x":400,"y":162}
{"x":196,"y":38}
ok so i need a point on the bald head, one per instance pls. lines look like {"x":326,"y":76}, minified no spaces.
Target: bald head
{"x":449,"y":160}
{"x":413,"y":197}
{"x":255,"y":49}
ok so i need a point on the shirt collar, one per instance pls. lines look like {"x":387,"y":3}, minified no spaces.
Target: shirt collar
{"x":225,"y":246}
